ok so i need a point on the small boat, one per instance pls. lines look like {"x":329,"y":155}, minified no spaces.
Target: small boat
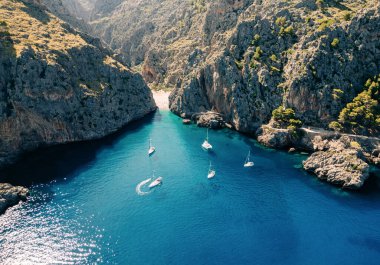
{"x":156,"y":182}
{"x":211,"y":172}
{"x":152,"y":149}
{"x":206,"y":145}
{"x":248,"y":162}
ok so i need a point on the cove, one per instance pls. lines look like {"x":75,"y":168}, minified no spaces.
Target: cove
{"x":84,"y":208}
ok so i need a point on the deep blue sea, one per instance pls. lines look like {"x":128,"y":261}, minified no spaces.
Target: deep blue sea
{"x":84,"y":208}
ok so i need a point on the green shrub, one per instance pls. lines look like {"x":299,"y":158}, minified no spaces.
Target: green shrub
{"x":289,"y":30}
{"x":239,"y":65}
{"x":285,"y":117}
{"x":362,"y":115}
{"x":325,"y":23}
{"x":199,"y":5}
{"x":273,"y":57}
{"x":355,"y":144}
{"x":337,"y":93}
{"x":252,"y":64}
{"x":258,"y":53}
{"x":347,"y":16}
{"x":335,"y":43}
{"x":281,"y":21}
{"x":275,"y":69}
{"x":336,"y":126}
{"x":256,"y":39}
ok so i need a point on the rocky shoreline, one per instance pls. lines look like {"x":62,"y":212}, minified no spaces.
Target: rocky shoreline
{"x":341,"y":159}
{"x":11,"y":195}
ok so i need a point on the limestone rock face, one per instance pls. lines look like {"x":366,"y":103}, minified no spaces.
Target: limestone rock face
{"x":58,"y":85}
{"x":253,"y":75}
{"x":244,"y":58}
{"x":11,"y":195}
{"x":339,"y":165}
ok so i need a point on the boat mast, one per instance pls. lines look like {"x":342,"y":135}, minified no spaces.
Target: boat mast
{"x":207,"y":139}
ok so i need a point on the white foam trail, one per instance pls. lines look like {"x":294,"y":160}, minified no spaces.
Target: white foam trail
{"x":142,"y":183}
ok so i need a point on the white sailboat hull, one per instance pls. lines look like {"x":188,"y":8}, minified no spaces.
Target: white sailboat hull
{"x":156,"y":182}
{"x":211,"y":174}
{"x":248,"y":164}
{"x":206,"y":145}
{"x":151,"y":150}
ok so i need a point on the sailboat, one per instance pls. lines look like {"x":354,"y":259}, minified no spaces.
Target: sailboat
{"x":156,"y":182}
{"x":206,"y":145}
{"x":248,"y":162}
{"x":211,"y":172}
{"x":152,"y":149}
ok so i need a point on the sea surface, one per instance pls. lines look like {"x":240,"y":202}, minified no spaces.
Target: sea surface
{"x":84,"y":207}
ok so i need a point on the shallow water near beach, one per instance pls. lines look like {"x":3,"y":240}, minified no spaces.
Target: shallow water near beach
{"x":84,"y":208}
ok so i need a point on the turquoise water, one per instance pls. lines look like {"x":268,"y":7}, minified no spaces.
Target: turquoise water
{"x":84,"y":208}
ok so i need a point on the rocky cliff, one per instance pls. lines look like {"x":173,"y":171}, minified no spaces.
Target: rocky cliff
{"x":244,"y":58}
{"x":58,"y":85}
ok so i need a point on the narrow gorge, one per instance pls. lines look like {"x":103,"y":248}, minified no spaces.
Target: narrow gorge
{"x":313,"y":63}
{"x":190,"y":132}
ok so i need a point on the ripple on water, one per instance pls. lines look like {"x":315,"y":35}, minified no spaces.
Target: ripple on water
{"x":39,"y":232}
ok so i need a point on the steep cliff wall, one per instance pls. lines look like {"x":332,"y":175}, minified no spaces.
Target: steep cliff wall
{"x":58,"y":85}
{"x":287,"y":53}
{"x":244,"y":58}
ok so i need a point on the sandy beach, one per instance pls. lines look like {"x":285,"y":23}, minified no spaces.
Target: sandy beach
{"x":162,"y":99}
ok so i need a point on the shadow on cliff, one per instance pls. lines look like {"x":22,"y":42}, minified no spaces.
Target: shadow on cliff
{"x":36,"y":12}
{"x":57,"y":163}
{"x":7,"y":62}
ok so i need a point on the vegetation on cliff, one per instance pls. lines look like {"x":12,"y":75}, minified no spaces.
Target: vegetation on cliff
{"x":285,"y":118}
{"x":58,"y":85}
{"x":362,"y":115}
{"x":243,"y":58}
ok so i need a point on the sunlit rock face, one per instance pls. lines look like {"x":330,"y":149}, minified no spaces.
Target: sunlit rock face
{"x":243,"y":58}
{"x":59,"y":85}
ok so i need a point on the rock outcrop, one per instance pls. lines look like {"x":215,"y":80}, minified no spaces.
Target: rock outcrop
{"x":341,"y":159}
{"x":58,"y":85}
{"x":209,"y":119}
{"x":274,"y":137}
{"x":11,"y":195}
{"x":340,"y":165}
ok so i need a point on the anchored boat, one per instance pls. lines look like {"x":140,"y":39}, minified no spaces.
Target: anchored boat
{"x":211,"y":172}
{"x":206,"y":145}
{"x":152,"y":149}
{"x":248,"y":162}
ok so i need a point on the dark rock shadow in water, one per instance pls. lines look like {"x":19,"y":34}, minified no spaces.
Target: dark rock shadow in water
{"x":61,"y":161}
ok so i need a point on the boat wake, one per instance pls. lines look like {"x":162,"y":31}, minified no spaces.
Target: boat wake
{"x":140,"y":185}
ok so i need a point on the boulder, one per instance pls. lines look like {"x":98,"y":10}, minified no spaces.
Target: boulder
{"x":11,"y":195}
{"x":292,"y":150}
